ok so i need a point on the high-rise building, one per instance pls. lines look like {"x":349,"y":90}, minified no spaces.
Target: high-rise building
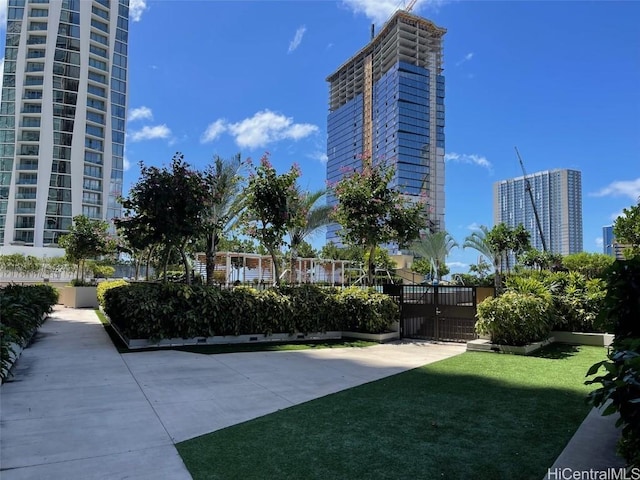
{"x":62,"y":117}
{"x":557,"y":195}
{"x":386,"y":103}
{"x":610,"y":245}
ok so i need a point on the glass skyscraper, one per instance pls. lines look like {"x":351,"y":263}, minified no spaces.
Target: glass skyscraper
{"x":386,"y":103}
{"x":62,"y":117}
{"x":558,"y":199}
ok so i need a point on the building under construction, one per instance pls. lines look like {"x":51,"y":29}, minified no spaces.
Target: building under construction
{"x":386,"y":103}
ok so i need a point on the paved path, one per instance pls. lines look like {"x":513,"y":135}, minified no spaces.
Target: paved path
{"x":77,"y":409}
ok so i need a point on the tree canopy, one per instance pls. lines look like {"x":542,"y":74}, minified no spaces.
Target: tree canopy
{"x":627,"y":230}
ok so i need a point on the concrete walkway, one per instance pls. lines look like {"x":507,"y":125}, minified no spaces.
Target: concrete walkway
{"x":76,"y":409}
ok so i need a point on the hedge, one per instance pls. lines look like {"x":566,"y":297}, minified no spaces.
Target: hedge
{"x":157,"y":311}
{"x":22,"y":310}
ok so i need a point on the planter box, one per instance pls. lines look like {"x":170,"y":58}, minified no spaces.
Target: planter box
{"x":582,"y":338}
{"x":485,"y":345}
{"x":79,"y":297}
{"x":373,"y":337}
{"x":136,"y":343}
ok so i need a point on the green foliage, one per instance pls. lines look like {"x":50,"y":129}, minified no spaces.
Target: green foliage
{"x":434,"y":248}
{"x":152,"y":310}
{"x":627,"y":230}
{"x":333,"y":252}
{"x":540,"y":260}
{"x":22,"y":311}
{"x":270,"y":208}
{"x":87,"y":238}
{"x":620,"y":389}
{"x":371,"y":213}
{"x":591,"y":265}
{"x":514,"y":318}
{"x":108,"y":285}
{"x":102,"y":271}
{"x":365,"y":310}
{"x":621,"y":309}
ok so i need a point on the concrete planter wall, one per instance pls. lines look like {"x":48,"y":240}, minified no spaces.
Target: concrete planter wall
{"x":373,"y":337}
{"x":583,"y":338}
{"x":79,"y":297}
{"x":484,"y":345}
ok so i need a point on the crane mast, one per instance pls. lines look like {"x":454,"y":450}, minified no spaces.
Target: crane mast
{"x":527,"y":187}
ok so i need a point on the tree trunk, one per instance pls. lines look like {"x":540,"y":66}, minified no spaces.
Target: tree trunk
{"x":185,"y":262}
{"x":211,"y":259}
{"x":276,"y":268}
{"x":371,"y":268}
{"x":292,"y":265}
{"x":166,"y":263}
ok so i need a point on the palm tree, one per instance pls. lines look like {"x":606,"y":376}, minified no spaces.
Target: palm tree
{"x":479,"y":241}
{"x":435,"y":248}
{"x":223,"y":204}
{"x":310,"y":217}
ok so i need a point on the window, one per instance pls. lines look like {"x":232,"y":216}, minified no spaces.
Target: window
{"x":95,"y":90}
{"x":28,"y":164}
{"x":93,"y":171}
{"x":30,"y":135}
{"x":32,"y":80}
{"x":34,"y":67}
{"x":99,"y":12}
{"x":93,"y":103}
{"x":90,"y":197}
{"x":100,"y":25}
{"x":98,"y":64}
{"x":35,"y":53}
{"x":29,"y":150}
{"x":27,"y":179}
{"x":95,"y":131}
{"x":93,"y":157}
{"x":60,"y":166}
{"x":93,"y":143}
{"x":58,"y":180}
{"x":39,"y":12}
{"x":36,"y":40}
{"x":92,"y":184}
{"x":97,"y":77}
{"x":102,"y":52}
{"x":37,"y":26}
{"x":99,"y":38}
{"x":95,"y":117}
{"x":91,"y":212}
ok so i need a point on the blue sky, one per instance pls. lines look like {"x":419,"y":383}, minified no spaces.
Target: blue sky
{"x":559,"y":80}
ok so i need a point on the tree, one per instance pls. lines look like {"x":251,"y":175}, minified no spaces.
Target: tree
{"x":222,"y":205}
{"x":333,"y":252}
{"x":479,"y":241}
{"x":372,"y":213}
{"x":425,"y":267}
{"x":166,"y":207}
{"x":87,"y":238}
{"x":309,"y":218}
{"x":627,"y":230}
{"x":591,"y":265}
{"x":481,"y":269}
{"x":434,"y":248}
{"x":269,"y":208}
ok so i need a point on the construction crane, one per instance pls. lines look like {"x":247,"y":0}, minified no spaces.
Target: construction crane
{"x":409,"y":6}
{"x":527,"y":187}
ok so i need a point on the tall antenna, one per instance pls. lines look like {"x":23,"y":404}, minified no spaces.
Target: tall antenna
{"x":527,"y":187}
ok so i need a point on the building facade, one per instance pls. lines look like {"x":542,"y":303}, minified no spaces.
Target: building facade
{"x":557,"y":195}
{"x":610,"y":245}
{"x":62,"y":118}
{"x":386,"y":104}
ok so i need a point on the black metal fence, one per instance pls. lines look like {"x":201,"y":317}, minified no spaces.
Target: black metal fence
{"x":443,"y":313}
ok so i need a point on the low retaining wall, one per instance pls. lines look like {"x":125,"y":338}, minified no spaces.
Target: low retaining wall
{"x":571,"y":338}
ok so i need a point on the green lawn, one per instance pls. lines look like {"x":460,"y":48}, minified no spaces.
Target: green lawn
{"x":473,"y":416}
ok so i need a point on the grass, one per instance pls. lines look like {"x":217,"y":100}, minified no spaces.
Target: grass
{"x":476,"y":415}
{"x":233,"y":348}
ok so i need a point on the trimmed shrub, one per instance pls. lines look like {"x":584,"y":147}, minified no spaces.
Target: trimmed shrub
{"x":22,"y":311}
{"x":107,"y":285}
{"x":156,"y":311}
{"x":514,"y":318}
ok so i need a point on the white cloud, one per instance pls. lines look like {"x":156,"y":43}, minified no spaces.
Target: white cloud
{"x":468,"y":158}
{"x":319,"y":155}
{"x":3,"y":12}
{"x":379,"y":11}
{"x":136,"y":9}
{"x":622,"y":188}
{"x":457,"y":265}
{"x":297,"y":39}
{"x":263,"y":128}
{"x":140,"y":113}
{"x":213,"y":131}
{"x":466,"y":58}
{"x":599,"y":242}
{"x":150,"y":133}
{"x":614,"y":216}
{"x":474,"y":226}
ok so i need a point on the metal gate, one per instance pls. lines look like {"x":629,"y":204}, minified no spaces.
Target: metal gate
{"x":431,"y":312}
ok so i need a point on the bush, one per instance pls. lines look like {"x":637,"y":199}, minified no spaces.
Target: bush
{"x":107,"y":285}
{"x":514,"y":318}
{"x":620,"y":385}
{"x":155,"y":311}
{"x":22,"y":311}
{"x":365,"y":310}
